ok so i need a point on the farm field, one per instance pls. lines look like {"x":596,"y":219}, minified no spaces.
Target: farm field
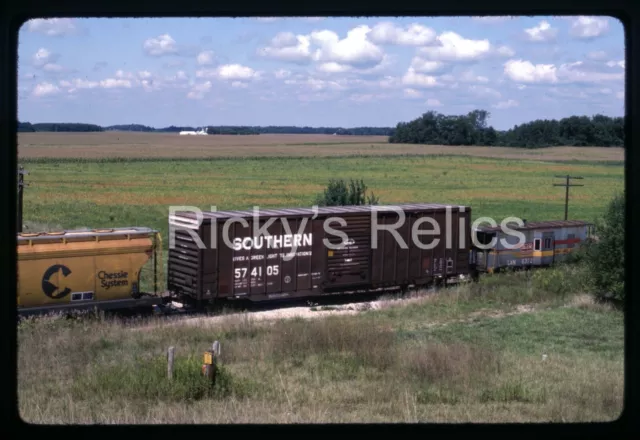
{"x":69,"y":194}
{"x":513,"y":348}
{"x":160,"y":145}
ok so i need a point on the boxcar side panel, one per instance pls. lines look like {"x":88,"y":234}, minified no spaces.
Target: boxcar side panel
{"x":349,"y":265}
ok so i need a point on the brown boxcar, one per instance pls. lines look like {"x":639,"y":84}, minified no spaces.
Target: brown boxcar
{"x":306,"y":252}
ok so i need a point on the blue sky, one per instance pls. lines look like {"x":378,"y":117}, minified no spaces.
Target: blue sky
{"x":323,"y":71}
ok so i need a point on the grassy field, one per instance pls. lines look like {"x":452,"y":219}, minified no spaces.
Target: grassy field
{"x":108,"y":192}
{"x":155,"y":145}
{"x":513,"y":348}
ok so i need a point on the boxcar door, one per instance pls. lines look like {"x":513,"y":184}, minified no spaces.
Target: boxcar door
{"x":548,"y":247}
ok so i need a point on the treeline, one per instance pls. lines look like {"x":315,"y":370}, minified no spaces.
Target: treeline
{"x":472,"y":129}
{"x":50,"y":126}
{"x":213,"y":129}
{"x":431,"y":128}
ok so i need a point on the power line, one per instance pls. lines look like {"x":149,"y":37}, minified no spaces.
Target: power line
{"x":566,"y":197}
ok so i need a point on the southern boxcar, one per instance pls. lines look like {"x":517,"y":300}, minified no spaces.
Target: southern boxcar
{"x":287,"y":253}
{"x":85,"y":269}
{"x":544,"y":243}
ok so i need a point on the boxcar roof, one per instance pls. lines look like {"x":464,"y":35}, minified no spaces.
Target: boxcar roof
{"x":554,"y":224}
{"x":84,"y":233}
{"x":326,"y":210}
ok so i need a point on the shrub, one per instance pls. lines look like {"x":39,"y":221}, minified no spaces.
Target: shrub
{"x":605,"y":256}
{"x":339,"y":193}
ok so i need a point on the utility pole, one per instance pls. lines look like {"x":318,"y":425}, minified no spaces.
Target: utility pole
{"x":21,"y":185}
{"x":566,"y":197}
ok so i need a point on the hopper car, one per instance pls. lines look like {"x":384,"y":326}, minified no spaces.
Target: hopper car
{"x":80,"y":269}
{"x":299,"y":252}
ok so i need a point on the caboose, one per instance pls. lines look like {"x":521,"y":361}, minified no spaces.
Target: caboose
{"x":545,"y":243}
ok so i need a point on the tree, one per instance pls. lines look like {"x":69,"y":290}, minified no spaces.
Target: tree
{"x":605,"y":257}
{"x":339,"y":193}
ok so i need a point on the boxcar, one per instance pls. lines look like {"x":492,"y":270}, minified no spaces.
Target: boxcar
{"x":305,"y":252}
{"x":83,"y":269}
{"x":545,"y":243}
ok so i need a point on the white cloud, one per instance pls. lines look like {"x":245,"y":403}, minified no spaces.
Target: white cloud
{"x":45,"y":89}
{"x":575,"y":72}
{"x":620,"y":95}
{"x":415,"y":79}
{"x":49,"y":67}
{"x":526,"y":72}
{"x":43,"y":57}
{"x":588,"y":27}
{"x":426,"y":66}
{"x":122,"y":74}
{"x":316,"y":84}
{"x":236,"y":72}
{"x":412,"y":35}
{"x":484,"y":92}
{"x":53,"y":27}
{"x":239,"y":85}
{"x":505,"y":51}
{"x":616,"y":63}
{"x":161,"y":45}
{"x":144,"y":74}
{"x":332,"y":67}
{"x":115,"y":83}
{"x":267,"y":19}
{"x":412,"y":93}
{"x":453,"y":47}
{"x":205,"y":58}
{"x":286,"y":46}
{"x":198,"y":91}
{"x":325,"y":47}
{"x":433,"y":103}
{"x":543,"y":32}
{"x":354,"y":50}
{"x":282,"y":73}
{"x":78,"y":83}
{"x":470,"y":77}
{"x":506,"y":104}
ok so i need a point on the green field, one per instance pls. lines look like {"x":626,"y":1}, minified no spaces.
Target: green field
{"x":98,"y":194}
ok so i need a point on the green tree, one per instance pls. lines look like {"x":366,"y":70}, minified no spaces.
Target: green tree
{"x":605,"y":257}
{"x":339,"y":193}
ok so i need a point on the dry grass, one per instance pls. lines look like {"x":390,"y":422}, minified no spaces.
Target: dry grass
{"x":382,"y":365}
{"x":160,"y":145}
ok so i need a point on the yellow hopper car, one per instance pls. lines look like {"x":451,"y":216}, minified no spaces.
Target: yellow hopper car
{"x":81,"y":269}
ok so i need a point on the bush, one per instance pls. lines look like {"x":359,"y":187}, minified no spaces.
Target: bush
{"x":338,"y":193}
{"x":605,"y":256}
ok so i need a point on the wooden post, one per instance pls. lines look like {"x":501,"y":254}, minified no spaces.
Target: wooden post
{"x":210,"y":362}
{"x":216,"y":348}
{"x":170,"y":362}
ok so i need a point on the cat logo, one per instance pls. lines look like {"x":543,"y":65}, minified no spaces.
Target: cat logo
{"x":49,"y":288}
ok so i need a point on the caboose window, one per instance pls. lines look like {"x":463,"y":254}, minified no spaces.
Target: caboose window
{"x":536,"y":244}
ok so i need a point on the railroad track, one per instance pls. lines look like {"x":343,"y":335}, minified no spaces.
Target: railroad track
{"x":176,"y":312}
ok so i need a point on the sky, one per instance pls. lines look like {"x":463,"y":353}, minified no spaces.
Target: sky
{"x":318,"y":71}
